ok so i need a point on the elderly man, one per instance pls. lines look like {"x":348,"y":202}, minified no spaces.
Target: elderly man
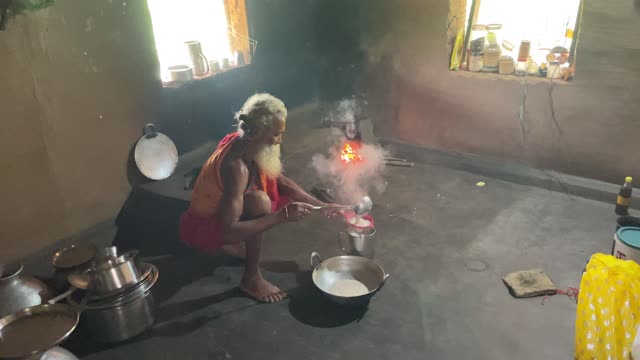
{"x":241,"y":192}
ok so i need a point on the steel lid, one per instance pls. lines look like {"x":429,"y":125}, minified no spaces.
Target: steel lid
{"x":144,"y":285}
{"x":74,"y":255}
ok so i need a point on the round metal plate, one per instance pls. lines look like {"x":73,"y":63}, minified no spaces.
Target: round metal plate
{"x":35,"y":329}
{"x":156,"y":156}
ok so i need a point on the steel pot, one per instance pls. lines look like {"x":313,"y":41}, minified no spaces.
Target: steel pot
{"x":115,"y":274}
{"x":109,"y":323}
{"x":366,"y":271}
{"x":18,"y":291}
{"x":121,"y":318}
{"x":357,"y":242}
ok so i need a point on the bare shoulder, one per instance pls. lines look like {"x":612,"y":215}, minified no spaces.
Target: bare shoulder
{"x":233,"y":172}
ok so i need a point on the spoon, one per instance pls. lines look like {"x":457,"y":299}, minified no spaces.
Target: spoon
{"x":361,"y":208}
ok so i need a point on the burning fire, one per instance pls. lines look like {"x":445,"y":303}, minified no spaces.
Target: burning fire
{"x":349,"y":154}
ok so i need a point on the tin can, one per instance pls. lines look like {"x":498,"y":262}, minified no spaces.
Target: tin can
{"x":627,"y":244}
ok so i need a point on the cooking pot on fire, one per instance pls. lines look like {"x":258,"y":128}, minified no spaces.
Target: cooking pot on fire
{"x":348,"y":280}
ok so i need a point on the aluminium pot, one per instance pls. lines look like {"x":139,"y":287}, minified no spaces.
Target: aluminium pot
{"x":364,"y":270}
{"x":123,"y":317}
{"x":115,"y":274}
{"x":120,"y":321}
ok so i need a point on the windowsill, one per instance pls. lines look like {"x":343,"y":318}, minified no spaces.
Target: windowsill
{"x":196,"y":79}
{"x":496,"y":76}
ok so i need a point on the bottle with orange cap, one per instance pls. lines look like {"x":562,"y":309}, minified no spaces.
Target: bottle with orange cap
{"x":624,"y":197}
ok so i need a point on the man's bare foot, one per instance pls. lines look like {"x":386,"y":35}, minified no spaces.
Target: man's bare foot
{"x":261,"y":290}
{"x":238,"y":250}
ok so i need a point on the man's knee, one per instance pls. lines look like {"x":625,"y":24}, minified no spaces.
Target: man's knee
{"x":256,"y":204}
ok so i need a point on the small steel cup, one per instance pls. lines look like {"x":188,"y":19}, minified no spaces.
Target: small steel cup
{"x":357,"y":242}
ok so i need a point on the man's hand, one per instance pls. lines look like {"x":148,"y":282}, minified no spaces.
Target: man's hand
{"x":296,"y":210}
{"x":333,"y":212}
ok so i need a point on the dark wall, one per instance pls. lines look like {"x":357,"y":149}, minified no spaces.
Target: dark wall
{"x":79,"y":80}
{"x":588,"y":127}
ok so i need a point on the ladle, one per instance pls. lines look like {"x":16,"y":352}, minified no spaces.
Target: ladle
{"x":361,"y":208}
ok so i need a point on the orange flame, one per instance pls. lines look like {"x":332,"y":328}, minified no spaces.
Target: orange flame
{"x":349,"y":155}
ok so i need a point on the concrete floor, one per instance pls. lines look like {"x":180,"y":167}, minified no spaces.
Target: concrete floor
{"x":446,"y":243}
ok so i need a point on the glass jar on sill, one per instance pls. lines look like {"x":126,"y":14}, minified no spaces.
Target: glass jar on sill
{"x":554,"y":70}
{"x":491,"y":55}
{"x":506,"y":65}
{"x":495,"y":32}
{"x":475,"y":62}
{"x":521,"y":68}
{"x":478,"y":38}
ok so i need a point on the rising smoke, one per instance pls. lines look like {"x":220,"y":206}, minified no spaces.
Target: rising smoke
{"x":350,"y":181}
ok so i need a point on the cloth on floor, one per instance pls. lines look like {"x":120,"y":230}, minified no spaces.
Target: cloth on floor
{"x":607,"y":315}
{"x":529,"y":283}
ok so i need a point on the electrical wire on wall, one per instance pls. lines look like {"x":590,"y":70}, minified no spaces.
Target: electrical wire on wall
{"x":572,"y":60}
{"x":551,"y":102}
{"x":523,"y":107}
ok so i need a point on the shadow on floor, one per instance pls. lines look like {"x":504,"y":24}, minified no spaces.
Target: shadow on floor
{"x":172,"y":319}
{"x":181,"y":270}
{"x":149,"y":223}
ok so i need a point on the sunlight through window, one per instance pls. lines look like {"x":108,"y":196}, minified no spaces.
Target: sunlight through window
{"x":545,"y":23}
{"x":188,"y":20}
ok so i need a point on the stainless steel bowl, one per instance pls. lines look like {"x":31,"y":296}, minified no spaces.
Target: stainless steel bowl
{"x":366,"y":271}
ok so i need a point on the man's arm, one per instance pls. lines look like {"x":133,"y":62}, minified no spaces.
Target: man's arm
{"x":288,"y":187}
{"x":235,"y":181}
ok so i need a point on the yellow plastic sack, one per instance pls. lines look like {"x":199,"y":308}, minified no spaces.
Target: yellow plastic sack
{"x":608,"y":310}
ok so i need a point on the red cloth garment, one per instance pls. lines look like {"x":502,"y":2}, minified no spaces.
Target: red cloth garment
{"x":200,"y":226}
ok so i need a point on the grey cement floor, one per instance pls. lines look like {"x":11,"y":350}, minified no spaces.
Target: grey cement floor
{"x":446,"y":243}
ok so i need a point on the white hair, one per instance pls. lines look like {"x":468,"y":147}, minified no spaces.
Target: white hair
{"x":259,"y":112}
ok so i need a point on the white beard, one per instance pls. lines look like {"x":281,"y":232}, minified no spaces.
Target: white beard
{"x":268,"y":160}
